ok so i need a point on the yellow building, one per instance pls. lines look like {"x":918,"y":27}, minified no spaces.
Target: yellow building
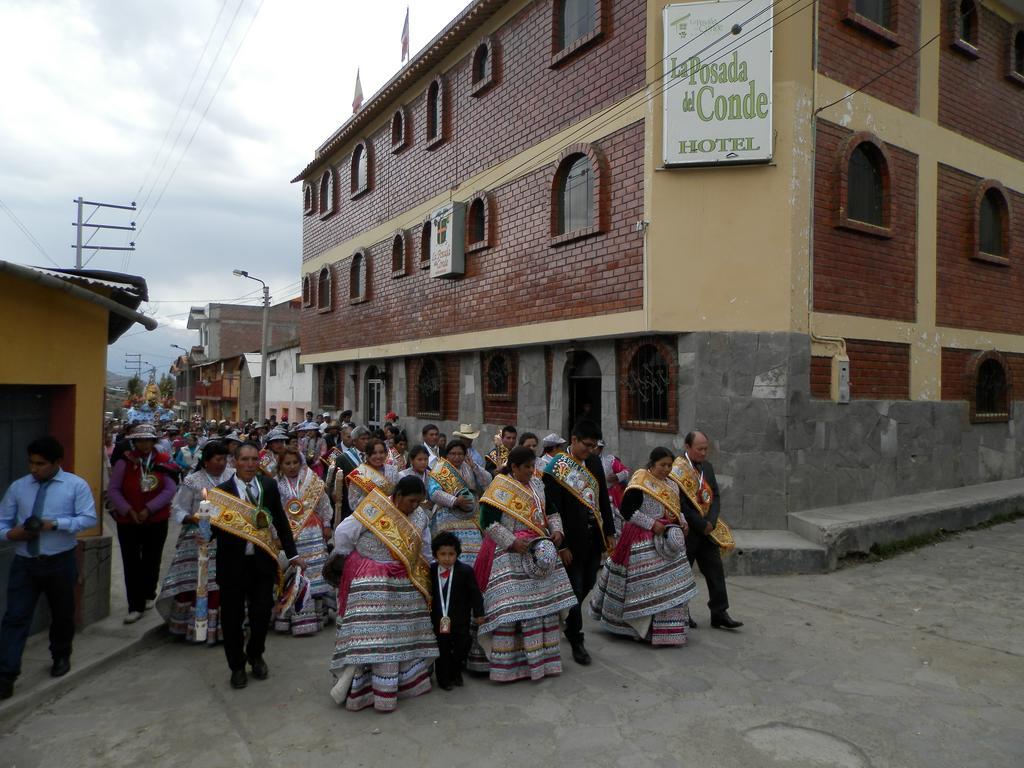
{"x":57,"y":325}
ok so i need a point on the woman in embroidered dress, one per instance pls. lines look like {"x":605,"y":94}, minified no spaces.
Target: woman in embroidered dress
{"x":314,"y":447}
{"x":273,"y":448}
{"x":385,"y":642}
{"x":309,"y":514}
{"x":375,"y":472}
{"x":396,"y":450}
{"x":454,"y":485}
{"x":645,"y":587}
{"x":523,"y":606}
{"x":419,"y":466}
{"x":177,"y":599}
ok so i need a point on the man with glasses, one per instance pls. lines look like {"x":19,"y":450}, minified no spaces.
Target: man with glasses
{"x":574,"y":487}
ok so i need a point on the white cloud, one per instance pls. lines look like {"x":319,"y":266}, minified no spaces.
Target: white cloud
{"x":90,"y":87}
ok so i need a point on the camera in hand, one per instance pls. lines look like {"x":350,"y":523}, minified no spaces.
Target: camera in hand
{"x":33,"y":525}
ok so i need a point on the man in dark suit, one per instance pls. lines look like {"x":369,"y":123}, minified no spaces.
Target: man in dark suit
{"x":583,"y":545}
{"x":699,"y":545}
{"x":246,"y":574}
{"x":459,"y":601}
{"x":353,"y":454}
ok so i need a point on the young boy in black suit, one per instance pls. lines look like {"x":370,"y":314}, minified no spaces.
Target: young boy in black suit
{"x":455,"y":595}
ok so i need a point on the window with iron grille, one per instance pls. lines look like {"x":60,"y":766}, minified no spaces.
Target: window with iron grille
{"x":990,"y":392}
{"x":497,"y":375}
{"x":647,"y":385}
{"x":865,"y":186}
{"x":428,"y":388}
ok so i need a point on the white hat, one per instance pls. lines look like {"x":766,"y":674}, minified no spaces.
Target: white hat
{"x":466,"y":431}
{"x":552,"y":440}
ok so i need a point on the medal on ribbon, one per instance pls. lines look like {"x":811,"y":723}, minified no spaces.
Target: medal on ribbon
{"x":444,"y":627}
{"x":147,"y":480}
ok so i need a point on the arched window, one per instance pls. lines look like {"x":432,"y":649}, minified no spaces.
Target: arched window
{"x":357,"y":277}
{"x":327,"y":193}
{"x":865,"y":186}
{"x":398,"y":255}
{"x":968,"y":24}
{"x":878,"y":11}
{"x":307,"y":199}
{"x":576,"y":196}
{"x":478,"y":225}
{"x":307,"y":291}
{"x":1017,"y":56}
{"x":481,"y":63}
{"x":398,"y":130}
{"x":360,"y":168}
{"x":425,"y":234}
{"x":484,"y":68}
{"x":577,"y":19}
{"x":435,"y":113}
{"x":329,"y":387}
{"x":323,"y":289}
{"x":428,"y":388}
{"x":647,"y":385}
{"x":990,"y":394}
{"x":992,"y":223}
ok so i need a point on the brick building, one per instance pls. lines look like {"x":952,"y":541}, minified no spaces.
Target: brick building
{"x":886,"y":230}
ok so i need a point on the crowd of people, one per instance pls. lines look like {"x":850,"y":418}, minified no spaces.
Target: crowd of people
{"x":429,"y":558}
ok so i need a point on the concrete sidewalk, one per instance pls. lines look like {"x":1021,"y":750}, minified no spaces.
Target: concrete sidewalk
{"x":914,"y":662}
{"x":96,"y":647}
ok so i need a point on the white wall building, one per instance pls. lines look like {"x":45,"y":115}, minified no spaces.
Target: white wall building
{"x":289,"y":383}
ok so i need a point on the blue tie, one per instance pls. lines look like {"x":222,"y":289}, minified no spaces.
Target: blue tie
{"x":37,"y":511}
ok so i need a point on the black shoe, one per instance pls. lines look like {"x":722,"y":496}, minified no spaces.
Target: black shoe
{"x":259,"y":669}
{"x":239,"y":679}
{"x":693,"y":624}
{"x":579,"y":654}
{"x":61,"y":666}
{"x":724,"y":621}
{"x":457,"y":678}
{"x":446,"y":686}
{"x":6,"y":688}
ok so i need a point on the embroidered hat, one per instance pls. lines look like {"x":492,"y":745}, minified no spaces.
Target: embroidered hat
{"x":671,"y":544}
{"x":293,"y":593}
{"x":541,"y":559}
{"x":143,"y":432}
{"x":233,"y":437}
{"x":466,"y":431}
{"x":552,"y":440}
{"x":277,"y":433}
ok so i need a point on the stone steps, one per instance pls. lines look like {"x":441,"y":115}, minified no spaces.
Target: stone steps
{"x":775,"y":553}
{"x":818,"y":538}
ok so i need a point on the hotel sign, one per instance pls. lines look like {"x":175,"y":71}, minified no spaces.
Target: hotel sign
{"x":718,"y":82}
{"x":447,"y":240}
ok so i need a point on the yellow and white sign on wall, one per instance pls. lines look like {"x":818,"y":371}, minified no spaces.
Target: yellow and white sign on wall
{"x":718,"y":82}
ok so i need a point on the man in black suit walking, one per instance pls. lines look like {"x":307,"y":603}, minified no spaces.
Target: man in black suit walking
{"x":246,"y":572}
{"x":699,"y":544}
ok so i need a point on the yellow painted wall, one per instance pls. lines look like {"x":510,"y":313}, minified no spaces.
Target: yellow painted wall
{"x":52,"y":338}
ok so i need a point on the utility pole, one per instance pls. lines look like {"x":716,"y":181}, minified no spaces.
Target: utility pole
{"x":133,"y":361}
{"x":266,"y":340}
{"x":81,"y":223}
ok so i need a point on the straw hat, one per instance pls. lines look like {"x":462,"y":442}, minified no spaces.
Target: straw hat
{"x":466,"y":431}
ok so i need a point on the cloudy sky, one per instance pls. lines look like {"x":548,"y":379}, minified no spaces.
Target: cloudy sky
{"x":91,"y":92}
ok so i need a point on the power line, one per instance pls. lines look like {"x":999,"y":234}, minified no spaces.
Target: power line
{"x":202,"y":117}
{"x":28,"y":234}
{"x":882,"y":74}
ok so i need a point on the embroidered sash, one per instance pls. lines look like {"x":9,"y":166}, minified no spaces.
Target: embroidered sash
{"x":300,"y":510}
{"x":700,"y":495}
{"x":395,"y":531}
{"x":235,"y":516}
{"x":368,"y":478}
{"x":450,"y":479}
{"x":580,"y":482}
{"x":268,"y":463}
{"x":499,"y":456}
{"x":516,"y":501}
{"x":662,"y":491}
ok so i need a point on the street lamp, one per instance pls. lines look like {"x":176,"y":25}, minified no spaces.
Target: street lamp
{"x":263,"y":344}
{"x":188,"y":385}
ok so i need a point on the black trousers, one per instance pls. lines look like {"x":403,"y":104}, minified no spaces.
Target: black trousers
{"x":28,"y":579}
{"x":252,"y":588}
{"x":582,"y":573}
{"x":142,"y":547}
{"x":709,"y":558}
{"x":454,"y":648}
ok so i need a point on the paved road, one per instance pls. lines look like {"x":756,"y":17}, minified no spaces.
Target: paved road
{"x":916,"y":661}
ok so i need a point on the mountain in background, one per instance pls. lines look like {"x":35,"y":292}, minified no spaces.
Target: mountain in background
{"x":117,"y":381}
